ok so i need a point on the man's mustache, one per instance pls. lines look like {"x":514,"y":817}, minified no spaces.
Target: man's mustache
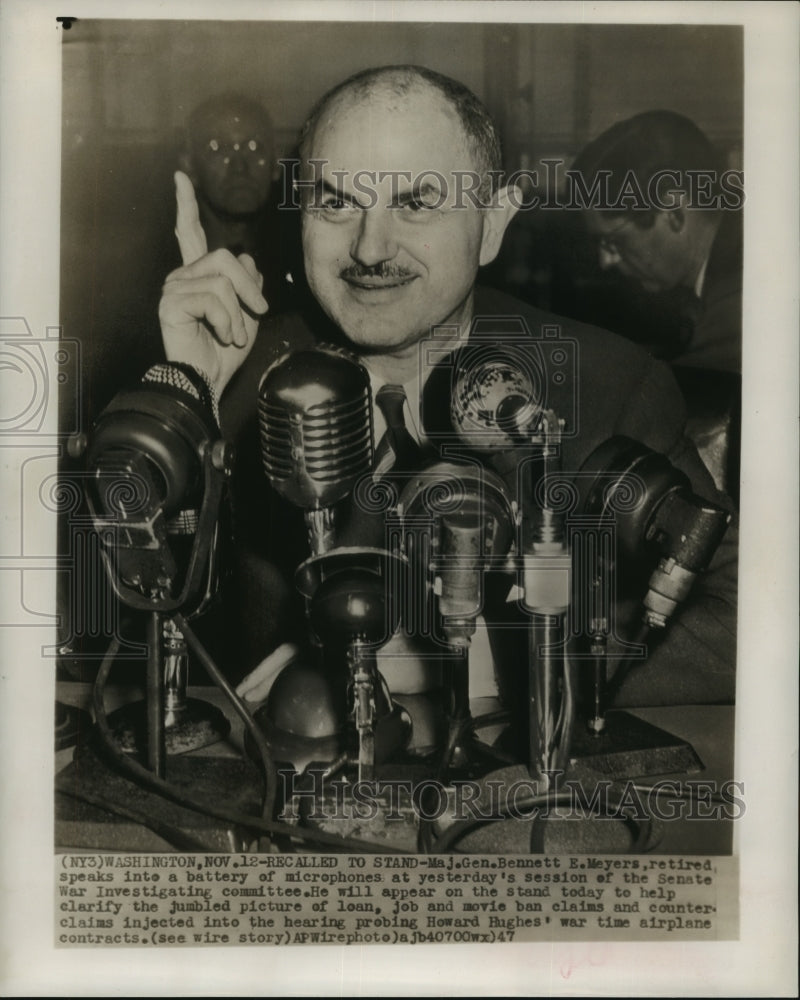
{"x":383,"y":270}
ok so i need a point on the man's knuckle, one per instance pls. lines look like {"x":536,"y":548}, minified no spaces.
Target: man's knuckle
{"x":222,"y":257}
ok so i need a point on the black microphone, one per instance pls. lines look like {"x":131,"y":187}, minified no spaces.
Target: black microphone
{"x":315,"y":419}
{"x":157,"y":468}
{"x":656,"y":512}
{"x":155,"y":459}
{"x":458,"y":518}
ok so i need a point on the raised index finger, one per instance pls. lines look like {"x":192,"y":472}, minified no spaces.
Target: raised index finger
{"x":191,"y":238}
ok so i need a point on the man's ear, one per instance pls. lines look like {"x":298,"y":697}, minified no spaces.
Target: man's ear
{"x":496,"y":217}
{"x":676,"y":217}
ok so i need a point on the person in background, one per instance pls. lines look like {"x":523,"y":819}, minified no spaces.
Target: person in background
{"x":229,"y":155}
{"x":667,"y":217}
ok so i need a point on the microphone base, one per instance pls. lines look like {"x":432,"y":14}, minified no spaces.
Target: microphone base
{"x":472,"y":758}
{"x":194,"y":725}
{"x":382,"y":812}
{"x":297,"y":753}
{"x":629,"y":747}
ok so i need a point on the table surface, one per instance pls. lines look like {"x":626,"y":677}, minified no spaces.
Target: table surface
{"x":708,"y":728}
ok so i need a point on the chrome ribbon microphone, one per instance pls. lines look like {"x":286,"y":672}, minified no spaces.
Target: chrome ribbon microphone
{"x":315,"y":419}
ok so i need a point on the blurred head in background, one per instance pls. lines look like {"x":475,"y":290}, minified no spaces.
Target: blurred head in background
{"x":657,"y":186}
{"x":229,"y":154}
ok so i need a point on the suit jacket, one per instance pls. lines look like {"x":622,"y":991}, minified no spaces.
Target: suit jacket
{"x":715,"y":340}
{"x":602,"y":385}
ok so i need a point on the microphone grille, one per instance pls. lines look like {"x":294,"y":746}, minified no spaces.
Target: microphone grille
{"x":315,"y":418}
{"x":497,"y":395}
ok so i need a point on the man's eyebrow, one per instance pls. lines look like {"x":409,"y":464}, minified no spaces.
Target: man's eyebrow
{"x":415,"y":193}
{"x":323,"y":186}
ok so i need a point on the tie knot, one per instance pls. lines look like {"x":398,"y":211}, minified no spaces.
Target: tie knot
{"x":391,"y":400}
{"x":397,"y":449}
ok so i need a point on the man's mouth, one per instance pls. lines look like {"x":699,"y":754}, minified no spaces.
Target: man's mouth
{"x":382,"y":277}
{"x":377,"y":284}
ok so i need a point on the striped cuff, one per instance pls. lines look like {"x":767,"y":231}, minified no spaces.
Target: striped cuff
{"x":186,"y":378}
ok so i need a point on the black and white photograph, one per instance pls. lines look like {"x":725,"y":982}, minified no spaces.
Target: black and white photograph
{"x":392,"y":533}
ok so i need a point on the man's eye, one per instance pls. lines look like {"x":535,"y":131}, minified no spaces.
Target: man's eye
{"x":336,"y":206}
{"x":422,"y":204}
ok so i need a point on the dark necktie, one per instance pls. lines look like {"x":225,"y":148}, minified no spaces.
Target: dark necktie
{"x":397,"y":450}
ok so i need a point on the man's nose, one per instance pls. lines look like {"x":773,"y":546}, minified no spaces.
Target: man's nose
{"x":236,"y":162}
{"x":374,"y":240}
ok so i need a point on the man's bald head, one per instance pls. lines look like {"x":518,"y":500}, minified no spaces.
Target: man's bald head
{"x":390,"y":86}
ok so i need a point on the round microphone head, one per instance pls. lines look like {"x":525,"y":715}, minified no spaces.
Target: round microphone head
{"x":497,"y":396}
{"x":625,"y":481}
{"x":315,"y":418}
{"x":463,"y":497}
{"x":164,"y":429}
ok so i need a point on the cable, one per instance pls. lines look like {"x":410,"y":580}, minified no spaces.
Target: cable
{"x":492,"y":719}
{"x":178,"y":839}
{"x":684,"y":796}
{"x":268,"y":765}
{"x":566,"y":717}
{"x":461,"y":828}
{"x":144,"y":777}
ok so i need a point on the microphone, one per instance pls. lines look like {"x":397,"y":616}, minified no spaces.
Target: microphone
{"x":497,"y":396}
{"x":499,"y":405}
{"x":155,"y":457}
{"x":157,"y":469}
{"x":315,"y":420}
{"x":468,"y":513}
{"x":655,"y":509}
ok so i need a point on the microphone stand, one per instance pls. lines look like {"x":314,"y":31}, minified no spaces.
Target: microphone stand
{"x":140,"y":563}
{"x":168,"y":721}
{"x":352,"y":606}
{"x":546,"y":570}
{"x":685,"y":530}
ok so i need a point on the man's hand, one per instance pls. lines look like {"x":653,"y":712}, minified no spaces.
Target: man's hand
{"x":256,"y":686}
{"x":209,"y":308}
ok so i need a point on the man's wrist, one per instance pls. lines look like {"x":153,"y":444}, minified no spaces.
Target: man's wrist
{"x":187,"y":378}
